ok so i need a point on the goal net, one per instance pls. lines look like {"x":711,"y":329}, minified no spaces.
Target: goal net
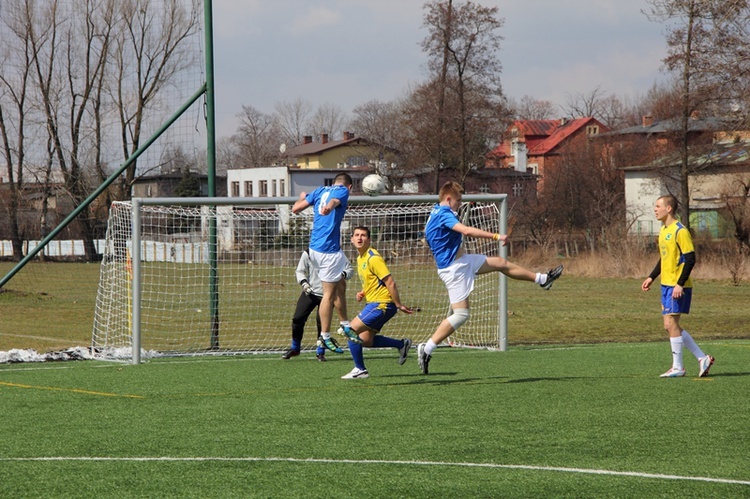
{"x":184,"y":296}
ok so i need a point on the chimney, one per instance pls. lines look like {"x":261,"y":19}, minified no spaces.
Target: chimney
{"x":563,"y":121}
{"x":307,"y":139}
{"x":648,"y":120}
{"x":324,"y":138}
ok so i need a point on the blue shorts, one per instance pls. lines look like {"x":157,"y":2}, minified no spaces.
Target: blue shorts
{"x":376,"y":314}
{"x":670,"y":306}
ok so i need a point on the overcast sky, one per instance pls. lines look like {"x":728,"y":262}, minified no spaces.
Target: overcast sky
{"x":348,"y":52}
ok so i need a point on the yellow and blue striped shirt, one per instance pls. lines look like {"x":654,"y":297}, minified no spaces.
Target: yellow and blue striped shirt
{"x":372,"y":270}
{"x":674,"y":242}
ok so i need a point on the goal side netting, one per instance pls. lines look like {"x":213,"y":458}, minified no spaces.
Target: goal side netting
{"x":239,"y":295}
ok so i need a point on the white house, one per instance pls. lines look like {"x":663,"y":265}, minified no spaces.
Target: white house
{"x":717,"y":173}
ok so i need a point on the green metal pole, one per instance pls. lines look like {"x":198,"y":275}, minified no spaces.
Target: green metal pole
{"x":211,"y":164}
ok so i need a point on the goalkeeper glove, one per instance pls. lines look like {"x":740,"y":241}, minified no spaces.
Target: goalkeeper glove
{"x":306,"y":287}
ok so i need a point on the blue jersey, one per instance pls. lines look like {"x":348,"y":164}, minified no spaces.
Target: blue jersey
{"x":443,"y":241}
{"x":326,"y":231}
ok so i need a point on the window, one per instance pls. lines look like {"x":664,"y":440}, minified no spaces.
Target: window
{"x":273,"y":188}
{"x":592,"y":130}
{"x":517,"y":189}
{"x":263,"y":189}
{"x":282,"y":187}
{"x":248,"y":188}
{"x":484,"y":189}
{"x":356,"y":161}
{"x":328,"y":181}
{"x":235,"y":189}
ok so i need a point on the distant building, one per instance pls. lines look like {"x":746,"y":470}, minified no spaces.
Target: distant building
{"x":165,"y":185}
{"x":536,"y":146}
{"x":718,"y":157}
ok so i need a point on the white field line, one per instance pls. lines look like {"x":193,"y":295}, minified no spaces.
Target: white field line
{"x":635,"y":474}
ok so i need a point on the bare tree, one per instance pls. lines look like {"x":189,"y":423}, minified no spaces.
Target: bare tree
{"x":530,"y":108}
{"x":71,"y":45}
{"x":704,"y":38}
{"x":256,"y":142}
{"x":462,"y":46}
{"x":292,"y":119}
{"x":606,"y":108}
{"x":149,"y":53}
{"x":328,"y":119}
{"x":735,"y":197}
{"x":15,"y":82}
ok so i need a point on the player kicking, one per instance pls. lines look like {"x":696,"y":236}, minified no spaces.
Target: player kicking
{"x":382,"y":302}
{"x":444,"y":234}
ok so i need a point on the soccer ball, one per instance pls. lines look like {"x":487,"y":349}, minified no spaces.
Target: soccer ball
{"x":373,"y":185}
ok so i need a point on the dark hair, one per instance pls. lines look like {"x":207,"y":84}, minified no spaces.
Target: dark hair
{"x":670,"y":200}
{"x":343,"y":178}
{"x":362,"y":228}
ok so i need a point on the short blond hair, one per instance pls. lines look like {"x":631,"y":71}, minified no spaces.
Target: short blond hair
{"x":450,"y":188}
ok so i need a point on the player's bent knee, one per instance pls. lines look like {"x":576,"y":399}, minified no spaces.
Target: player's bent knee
{"x":459,"y":316}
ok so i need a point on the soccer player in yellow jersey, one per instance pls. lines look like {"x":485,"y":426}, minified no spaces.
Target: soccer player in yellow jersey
{"x":677,"y":259}
{"x":382,"y":302}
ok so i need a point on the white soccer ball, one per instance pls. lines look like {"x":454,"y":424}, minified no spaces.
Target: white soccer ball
{"x":373,"y":185}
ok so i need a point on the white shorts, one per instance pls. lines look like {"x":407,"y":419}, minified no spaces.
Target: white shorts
{"x":459,"y":276}
{"x":330,"y":266}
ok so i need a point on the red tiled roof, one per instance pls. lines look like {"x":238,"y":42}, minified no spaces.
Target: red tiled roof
{"x":541,"y":136}
{"x":559,"y":134}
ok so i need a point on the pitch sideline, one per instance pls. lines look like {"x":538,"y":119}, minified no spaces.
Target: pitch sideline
{"x":383,"y":461}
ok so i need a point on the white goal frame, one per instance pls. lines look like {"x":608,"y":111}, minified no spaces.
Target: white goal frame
{"x":497,"y":317}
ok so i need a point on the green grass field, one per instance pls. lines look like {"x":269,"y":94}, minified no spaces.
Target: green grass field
{"x":560,"y":421}
{"x":574,"y":408}
{"x":51,"y":307}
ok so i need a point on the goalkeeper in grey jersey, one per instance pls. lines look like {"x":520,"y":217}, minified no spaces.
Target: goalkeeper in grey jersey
{"x":309,"y":300}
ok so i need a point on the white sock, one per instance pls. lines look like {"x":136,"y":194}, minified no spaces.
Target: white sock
{"x":676,"y":344}
{"x":325,"y":336}
{"x":540,"y":278}
{"x":430,"y":347}
{"x":688,"y":341}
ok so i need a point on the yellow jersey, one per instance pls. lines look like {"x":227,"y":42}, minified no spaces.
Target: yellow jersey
{"x":372,"y":270}
{"x":674,"y":242}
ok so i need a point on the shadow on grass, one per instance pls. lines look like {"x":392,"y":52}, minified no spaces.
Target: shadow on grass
{"x":722,"y":375}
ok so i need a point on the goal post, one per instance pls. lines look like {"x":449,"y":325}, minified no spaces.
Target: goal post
{"x":208,"y":276}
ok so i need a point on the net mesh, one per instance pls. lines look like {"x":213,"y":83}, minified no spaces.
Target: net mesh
{"x":258,"y":248}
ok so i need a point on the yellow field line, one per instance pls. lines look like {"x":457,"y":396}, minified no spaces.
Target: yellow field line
{"x":73,"y":390}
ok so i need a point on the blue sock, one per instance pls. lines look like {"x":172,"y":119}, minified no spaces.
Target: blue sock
{"x":357,"y":355}
{"x":296,"y":344}
{"x":386,"y":342}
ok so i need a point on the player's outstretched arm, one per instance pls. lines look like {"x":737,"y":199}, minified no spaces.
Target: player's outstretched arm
{"x":479,"y":233}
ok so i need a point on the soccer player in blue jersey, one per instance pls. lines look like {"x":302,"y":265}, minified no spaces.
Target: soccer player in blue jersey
{"x":329,"y":205}
{"x":382,"y":301}
{"x":458,"y":269}
{"x":676,"y":261}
